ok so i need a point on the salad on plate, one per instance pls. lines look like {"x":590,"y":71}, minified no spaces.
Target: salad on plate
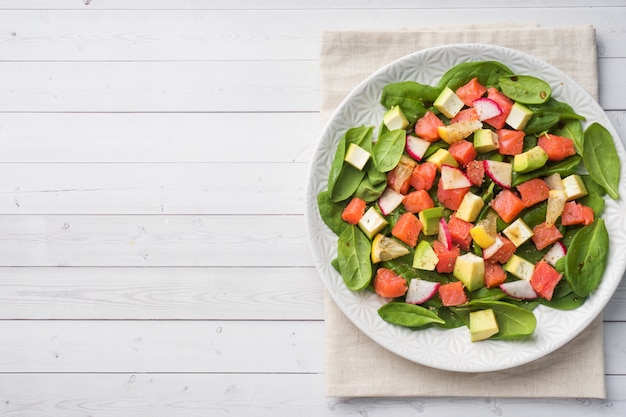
{"x":472,"y":202}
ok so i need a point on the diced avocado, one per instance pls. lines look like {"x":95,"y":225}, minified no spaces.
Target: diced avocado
{"x":430,"y":220}
{"x":356,"y":156}
{"x":425,"y":256}
{"x":530,"y":160}
{"x":519,"y":116}
{"x":395,"y":119}
{"x":470,"y":270}
{"x":518,"y":232}
{"x":574,"y":187}
{"x":372,"y":222}
{"x":486,"y":140}
{"x":448,"y":103}
{"x":519,"y":267}
{"x":483,"y":324}
{"x":470,"y":207}
{"x":442,"y":157}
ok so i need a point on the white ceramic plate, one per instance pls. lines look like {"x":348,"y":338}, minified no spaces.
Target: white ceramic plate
{"x":452,"y":349}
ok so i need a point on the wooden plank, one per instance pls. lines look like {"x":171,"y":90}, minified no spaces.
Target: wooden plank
{"x":161,"y":346}
{"x":137,"y":241}
{"x":139,"y":34}
{"x":126,"y":346}
{"x":201,"y":86}
{"x":214,"y":188}
{"x":158,"y":137}
{"x":285,"y":4}
{"x":163,"y":294}
{"x":237,"y":395}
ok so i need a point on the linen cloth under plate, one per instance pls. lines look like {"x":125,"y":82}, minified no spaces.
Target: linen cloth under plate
{"x":356,"y":366}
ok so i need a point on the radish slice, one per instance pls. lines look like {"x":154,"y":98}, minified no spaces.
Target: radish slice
{"x":389,"y":201}
{"x":416,"y":147}
{"x":520,"y":289}
{"x":420,"y":291}
{"x":488,"y":252}
{"x":556,"y":252}
{"x":453,"y":178}
{"x":500,"y":172}
{"x":444,"y":234}
{"x":486,"y":108}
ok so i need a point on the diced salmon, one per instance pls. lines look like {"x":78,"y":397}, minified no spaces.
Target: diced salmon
{"x":557,"y":147}
{"x":505,"y":104}
{"x":447,"y":257}
{"x":475,"y":171}
{"x":416,"y":201}
{"x":494,"y":274}
{"x":451,"y":198}
{"x":545,"y":235}
{"x":511,"y":141}
{"x":452,"y":294}
{"x":505,"y":252}
{"x":423,"y":176}
{"x":471,"y":91}
{"x":533,"y":191}
{"x":463,"y":152}
{"x":576,"y":214}
{"x":544,"y":279}
{"x":389,"y":285}
{"x":427,"y":125}
{"x":407,"y":229}
{"x":353,"y":212}
{"x":465,"y":115}
{"x":460,"y":232}
{"x":507,"y":205}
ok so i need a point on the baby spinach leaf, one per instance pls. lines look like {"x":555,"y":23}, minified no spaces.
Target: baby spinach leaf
{"x":331,"y":212}
{"x":408,"y":315}
{"x":413,"y":98}
{"x":601,"y":159}
{"x":354,"y":250}
{"x":569,"y":302}
{"x":525,"y":89}
{"x":388,"y":150}
{"x":344,"y":179}
{"x":586,"y":258}
{"x":513,"y":321}
{"x":548,"y":114}
{"x":487,"y":72}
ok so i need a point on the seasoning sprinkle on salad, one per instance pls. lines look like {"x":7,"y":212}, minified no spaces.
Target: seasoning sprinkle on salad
{"x":474,"y":201}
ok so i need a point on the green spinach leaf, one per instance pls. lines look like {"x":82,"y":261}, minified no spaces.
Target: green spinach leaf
{"x":548,"y":114}
{"x":413,"y":98}
{"x":601,"y":159}
{"x":514,"y":322}
{"x":525,"y":89}
{"x":586,"y":258}
{"x":388,"y":150}
{"x":487,"y":72}
{"x":331,"y":212}
{"x":344,"y":179}
{"x":354,"y":262}
{"x":408,"y":315}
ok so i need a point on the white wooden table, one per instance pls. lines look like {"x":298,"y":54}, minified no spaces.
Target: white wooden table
{"x":153,"y":161}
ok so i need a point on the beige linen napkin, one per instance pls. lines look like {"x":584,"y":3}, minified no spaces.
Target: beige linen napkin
{"x":358,"y":367}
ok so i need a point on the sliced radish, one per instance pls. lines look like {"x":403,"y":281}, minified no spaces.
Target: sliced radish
{"x":486,"y":108}
{"x":444,"y":234}
{"x":389,"y":201}
{"x":489,"y":251}
{"x":453,"y":178}
{"x":556,"y":252}
{"x":500,"y":172}
{"x":521,"y":289}
{"x":416,"y":147}
{"x":421,"y":291}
